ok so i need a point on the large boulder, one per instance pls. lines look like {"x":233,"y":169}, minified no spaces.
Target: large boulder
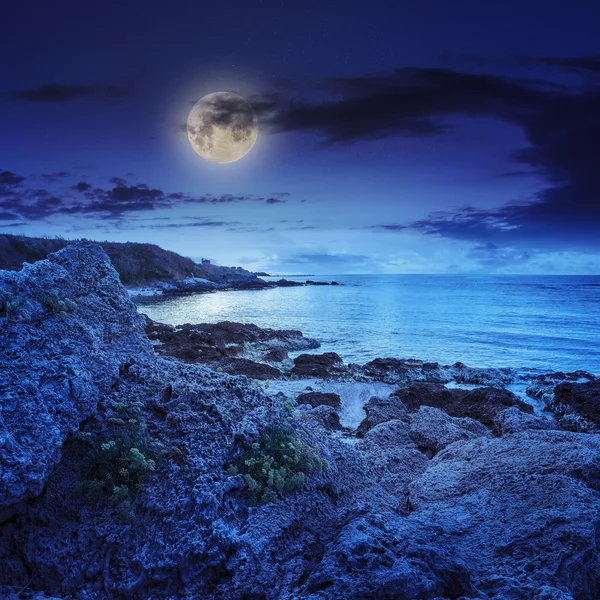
{"x":432,"y":429}
{"x":317,"y":398}
{"x":522,"y":511}
{"x":482,"y":404}
{"x":583,"y":399}
{"x":322,"y":366}
{"x":379,"y":410}
{"x":67,"y":328}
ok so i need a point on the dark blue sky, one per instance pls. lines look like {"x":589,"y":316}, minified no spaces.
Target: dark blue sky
{"x":394,"y":137}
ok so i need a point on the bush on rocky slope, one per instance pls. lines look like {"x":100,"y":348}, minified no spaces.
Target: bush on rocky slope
{"x":279,"y":462}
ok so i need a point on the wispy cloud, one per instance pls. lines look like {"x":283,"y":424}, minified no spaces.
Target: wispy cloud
{"x":20,"y":199}
{"x":60,"y":92}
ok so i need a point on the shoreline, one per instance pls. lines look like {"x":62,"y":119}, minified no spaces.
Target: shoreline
{"x":282,"y":361}
{"x":126,"y":441}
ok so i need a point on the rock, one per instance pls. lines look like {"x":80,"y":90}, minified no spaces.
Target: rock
{"x":513,"y":420}
{"x":583,"y":399}
{"x":61,"y":349}
{"x":327,"y":417}
{"x":211,"y":343}
{"x":191,"y":285}
{"x":249,"y":368}
{"x":476,"y":376}
{"x":394,"y":458}
{"x":521,"y":511}
{"x":481,"y":404}
{"x":288,"y":283}
{"x":432,"y":429}
{"x":378,"y":556}
{"x":277,"y":354}
{"x":393,"y":370}
{"x":317,"y":398}
{"x":322,"y":366}
{"x":380,"y":410}
{"x":542,"y":386}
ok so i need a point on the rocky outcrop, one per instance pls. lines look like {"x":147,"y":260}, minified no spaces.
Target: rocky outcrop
{"x":249,"y":368}
{"x":322,"y":366}
{"x":404,"y":371}
{"x":317,"y":398}
{"x":380,"y":410}
{"x":481,"y":404}
{"x":229,"y":346}
{"x":581,"y":400}
{"x":70,"y":330}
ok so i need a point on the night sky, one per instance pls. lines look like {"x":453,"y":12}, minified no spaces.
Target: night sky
{"x":394,"y":137}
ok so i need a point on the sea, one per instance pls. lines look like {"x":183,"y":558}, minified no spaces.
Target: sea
{"x":537,"y":323}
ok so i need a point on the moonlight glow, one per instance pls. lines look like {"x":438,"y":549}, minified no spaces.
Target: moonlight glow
{"x":222,"y":127}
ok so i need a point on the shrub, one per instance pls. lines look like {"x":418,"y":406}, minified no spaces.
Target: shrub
{"x":116,"y":468}
{"x":54,"y":302}
{"x":8,"y":304}
{"x":279,"y":462}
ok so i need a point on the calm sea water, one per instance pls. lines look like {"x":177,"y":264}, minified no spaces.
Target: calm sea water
{"x":537,"y":322}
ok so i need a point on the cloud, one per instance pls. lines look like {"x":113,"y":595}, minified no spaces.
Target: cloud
{"x":120,"y":201}
{"x":491,"y":257}
{"x":324,"y":258}
{"x":59,"y":92}
{"x":560,"y":123}
{"x":274,"y":201}
{"x":582,"y":65}
{"x":7,"y":178}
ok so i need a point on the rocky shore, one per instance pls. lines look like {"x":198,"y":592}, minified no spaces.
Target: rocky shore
{"x":140,"y":460}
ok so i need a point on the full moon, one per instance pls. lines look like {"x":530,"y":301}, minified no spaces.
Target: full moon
{"x":222,"y":127}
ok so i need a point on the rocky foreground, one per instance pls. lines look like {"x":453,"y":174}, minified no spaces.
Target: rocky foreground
{"x":125,"y":473}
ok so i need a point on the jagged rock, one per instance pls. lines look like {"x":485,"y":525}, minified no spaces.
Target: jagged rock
{"x":583,"y":399}
{"x":212,"y":342}
{"x":61,"y":349}
{"x":477,"y":376}
{"x":249,"y":368}
{"x":513,"y":420}
{"x":432,"y":429}
{"x":379,"y":410}
{"x":317,"y":398}
{"x":393,"y":370}
{"x":277,"y":354}
{"x":521,"y":511}
{"x":482,"y":404}
{"x":542,"y":386}
{"x":394,"y":458}
{"x":288,"y":283}
{"x":326,"y":416}
{"x":322,"y":366}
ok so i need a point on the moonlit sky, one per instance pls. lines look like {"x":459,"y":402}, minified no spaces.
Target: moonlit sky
{"x":430,"y":137}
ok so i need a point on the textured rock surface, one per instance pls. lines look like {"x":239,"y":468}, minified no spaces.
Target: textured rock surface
{"x":318,"y":365}
{"x":56,"y":364}
{"x":426,"y":505}
{"x":482,"y":404}
{"x":318,"y":398}
{"x":581,"y":398}
{"x":219,"y":344}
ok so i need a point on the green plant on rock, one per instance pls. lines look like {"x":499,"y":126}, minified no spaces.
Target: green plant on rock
{"x":279,"y":462}
{"x":116,"y":468}
{"x":54,"y":302}
{"x":9,"y":303}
